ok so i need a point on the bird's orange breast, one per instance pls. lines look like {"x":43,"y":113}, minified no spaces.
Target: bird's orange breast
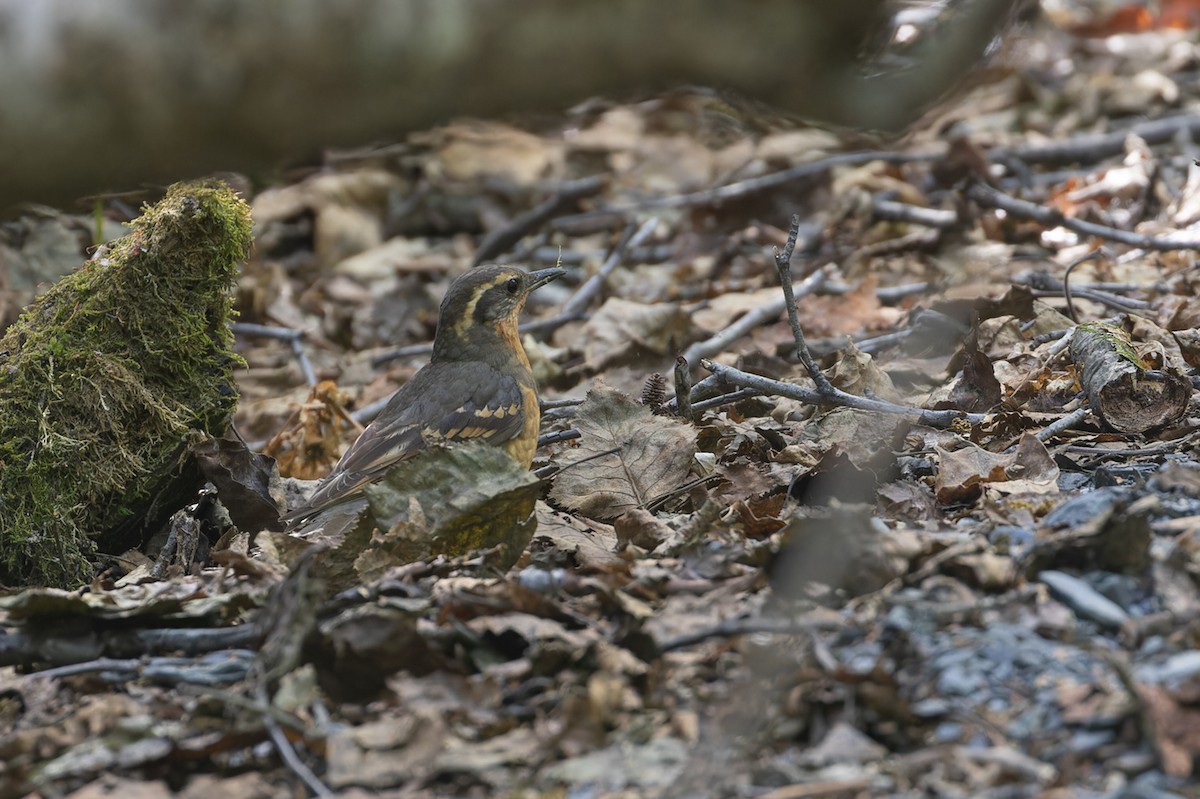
{"x":522,"y":447}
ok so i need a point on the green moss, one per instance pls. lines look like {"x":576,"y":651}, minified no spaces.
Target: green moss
{"x":107,"y":376}
{"x":1116,"y":338}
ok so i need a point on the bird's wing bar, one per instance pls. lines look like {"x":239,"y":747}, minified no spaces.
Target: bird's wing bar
{"x":495,"y":415}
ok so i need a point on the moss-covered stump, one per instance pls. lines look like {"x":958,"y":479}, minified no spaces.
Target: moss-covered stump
{"x":106,"y":378}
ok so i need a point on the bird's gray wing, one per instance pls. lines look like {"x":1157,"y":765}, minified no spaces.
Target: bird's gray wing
{"x":447,"y":402}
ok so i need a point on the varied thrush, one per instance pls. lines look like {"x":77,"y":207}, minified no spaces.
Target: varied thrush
{"x":477,"y":385}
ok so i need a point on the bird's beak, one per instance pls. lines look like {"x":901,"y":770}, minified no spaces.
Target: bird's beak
{"x":542,"y":277}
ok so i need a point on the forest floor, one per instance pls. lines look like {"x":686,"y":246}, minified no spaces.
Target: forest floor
{"x":968,"y":566}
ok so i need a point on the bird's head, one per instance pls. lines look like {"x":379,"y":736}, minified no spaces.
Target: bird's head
{"x":482,"y":305}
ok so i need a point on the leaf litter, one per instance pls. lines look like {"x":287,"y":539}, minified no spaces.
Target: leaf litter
{"x":777,"y":598}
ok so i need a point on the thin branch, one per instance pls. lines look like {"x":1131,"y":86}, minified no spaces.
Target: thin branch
{"x":783,"y":263}
{"x":892,"y":211}
{"x":591,"y":287}
{"x":567,"y":402}
{"x":286,"y":751}
{"x":558,"y":436}
{"x":753,"y":318}
{"x":733,"y":627}
{"x":733,"y":191}
{"x":1095,"y":147}
{"x":500,"y":241}
{"x":725,"y":399}
{"x":1067,"y":422}
{"x":837,"y":397}
{"x":1050,"y":217}
{"x":292,"y":337}
{"x":1066,"y":279}
{"x":129,"y":665}
{"x":683,"y":388}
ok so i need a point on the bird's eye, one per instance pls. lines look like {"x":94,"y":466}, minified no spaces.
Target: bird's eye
{"x":513,"y":285}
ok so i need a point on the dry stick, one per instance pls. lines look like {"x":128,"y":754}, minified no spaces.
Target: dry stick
{"x":683,"y":388}
{"x":820,"y":790}
{"x":888,"y":295}
{"x":1044,"y":285}
{"x":986,"y":195}
{"x":1060,"y":425}
{"x":1125,"y":305}
{"x":567,"y":402}
{"x":733,"y":191}
{"x":292,"y":337}
{"x":892,"y":211}
{"x":1066,"y":279}
{"x":499,"y":241}
{"x":591,"y":287}
{"x":19,"y":649}
{"x":753,"y":318}
{"x":705,"y":389}
{"x":725,"y":399}
{"x":766,"y":385}
{"x":557,"y":436}
{"x":662,"y":499}
{"x":87,"y":667}
{"x":410,"y":351}
{"x":732,"y":627}
{"x":783,"y":264}
{"x":286,"y":751}
{"x":1089,"y":148}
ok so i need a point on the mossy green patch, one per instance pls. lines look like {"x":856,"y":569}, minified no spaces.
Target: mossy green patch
{"x":107,"y":377}
{"x":1118,"y":339}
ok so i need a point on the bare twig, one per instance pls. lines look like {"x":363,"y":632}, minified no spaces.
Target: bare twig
{"x":286,"y":751}
{"x":1066,"y":279}
{"x":733,"y":191}
{"x":851,"y":786}
{"x":656,"y":503}
{"x":1067,"y":422}
{"x":292,"y":337}
{"x":18,"y":648}
{"x":834,"y":396}
{"x":591,"y":287}
{"x":1045,"y":285}
{"x":570,"y":434}
{"x":1094,"y":147}
{"x":129,"y":665}
{"x":725,"y":399}
{"x":783,"y":263}
{"x":733,"y":627}
{"x":892,"y":211}
{"x":1050,"y":217}
{"x":567,"y":402}
{"x":501,"y":240}
{"x":683,"y":388}
{"x":753,"y":318}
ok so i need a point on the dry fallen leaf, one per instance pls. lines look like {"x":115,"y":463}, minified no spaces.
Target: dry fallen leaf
{"x":962,"y":472}
{"x":621,"y":330}
{"x":653,"y":455}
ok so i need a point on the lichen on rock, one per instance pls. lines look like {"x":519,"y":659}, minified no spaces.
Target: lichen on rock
{"x":108,"y":376}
